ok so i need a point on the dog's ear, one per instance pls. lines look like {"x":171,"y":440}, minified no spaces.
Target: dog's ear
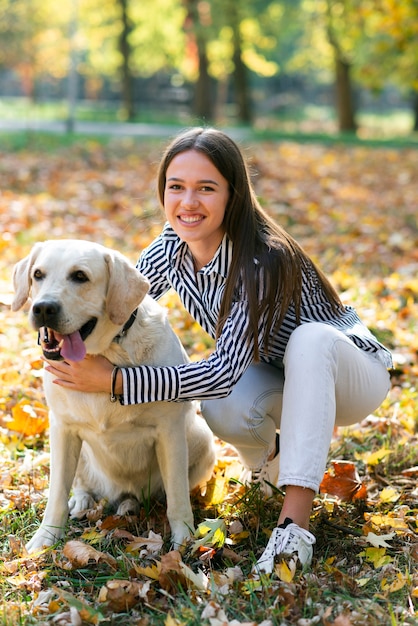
{"x":127,"y":288}
{"x":22,"y":278}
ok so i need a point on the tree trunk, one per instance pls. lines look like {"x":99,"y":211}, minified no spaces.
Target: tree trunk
{"x":344,"y":97}
{"x":126,"y":75}
{"x":203,"y":100}
{"x":241,"y":81}
{"x":415,"y":111}
{"x":240,"y":76}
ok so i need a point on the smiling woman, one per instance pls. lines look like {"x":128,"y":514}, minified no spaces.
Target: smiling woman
{"x":195,"y":199}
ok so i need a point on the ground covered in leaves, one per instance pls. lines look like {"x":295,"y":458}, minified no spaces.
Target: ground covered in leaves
{"x":355,"y":210}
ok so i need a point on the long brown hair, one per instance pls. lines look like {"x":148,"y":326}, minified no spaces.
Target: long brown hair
{"x":254,"y":235}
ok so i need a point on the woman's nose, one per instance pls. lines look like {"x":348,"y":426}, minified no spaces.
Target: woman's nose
{"x":190,"y":200}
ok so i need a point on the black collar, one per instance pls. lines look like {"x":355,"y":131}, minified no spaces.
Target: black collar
{"x":126,"y":327}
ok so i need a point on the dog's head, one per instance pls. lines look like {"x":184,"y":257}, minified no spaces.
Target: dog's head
{"x":82,"y":294}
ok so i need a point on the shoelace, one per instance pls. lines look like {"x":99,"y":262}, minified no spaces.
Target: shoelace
{"x":259,"y":475}
{"x":284,"y":541}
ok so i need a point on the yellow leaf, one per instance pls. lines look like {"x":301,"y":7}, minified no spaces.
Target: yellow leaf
{"x":376,"y":556}
{"x":152,"y":571}
{"x":212,"y":533}
{"x":172,"y":621}
{"x":217,"y":489}
{"x":29,"y":418}
{"x":374,"y":458}
{"x":286,"y":570}
{"x":92,"y":535}
{"x":389,"y":495}
{"x":399,"y":582}
{"x":387,"y":521}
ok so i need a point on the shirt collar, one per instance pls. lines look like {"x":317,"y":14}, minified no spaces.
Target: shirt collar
{"x":177,"y":251}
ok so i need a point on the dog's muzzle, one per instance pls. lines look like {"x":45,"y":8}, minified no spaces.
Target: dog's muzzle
{"x":55,"y":345}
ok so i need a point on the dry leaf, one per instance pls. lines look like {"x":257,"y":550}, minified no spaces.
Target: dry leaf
{"x":122,"y":595}
{"x":171,"y":574}
{"x":80,"y":554}
{"x":379,"y":541}
{"x":343,"y":481}
{"x":285,"y":570}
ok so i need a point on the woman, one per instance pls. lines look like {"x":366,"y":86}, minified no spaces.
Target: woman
{"x":289,"y":356}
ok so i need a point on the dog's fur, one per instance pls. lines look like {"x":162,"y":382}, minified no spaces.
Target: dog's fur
{"x":99,"y":448}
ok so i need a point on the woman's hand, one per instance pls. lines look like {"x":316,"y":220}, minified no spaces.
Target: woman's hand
{"x":92,"y":374}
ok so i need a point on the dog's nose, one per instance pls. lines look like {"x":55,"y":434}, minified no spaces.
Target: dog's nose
{"x":46,"y":313}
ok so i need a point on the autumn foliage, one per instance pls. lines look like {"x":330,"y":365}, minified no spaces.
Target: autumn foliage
{"x":355,"y":210}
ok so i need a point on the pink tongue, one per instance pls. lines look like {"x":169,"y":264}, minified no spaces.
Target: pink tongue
{"x":73,"y":347}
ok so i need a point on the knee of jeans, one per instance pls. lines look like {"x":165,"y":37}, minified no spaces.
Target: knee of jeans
{"x":219,"y":417}
{"x":310,"y":339}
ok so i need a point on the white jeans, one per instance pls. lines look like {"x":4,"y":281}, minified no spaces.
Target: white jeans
{"x":325,"y":381}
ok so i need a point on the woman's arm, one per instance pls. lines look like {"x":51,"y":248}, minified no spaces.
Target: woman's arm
{"x":92,"y":374}
{"x":209,"y":378}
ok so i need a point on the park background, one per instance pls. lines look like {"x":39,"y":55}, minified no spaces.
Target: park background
{"x":322,"y":97}
{"x":295,"y":66}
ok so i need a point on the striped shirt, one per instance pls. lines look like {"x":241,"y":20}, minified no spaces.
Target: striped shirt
{"x":168,"y":263}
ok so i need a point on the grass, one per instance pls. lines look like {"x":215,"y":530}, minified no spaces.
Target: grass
{"x":306,"y":123}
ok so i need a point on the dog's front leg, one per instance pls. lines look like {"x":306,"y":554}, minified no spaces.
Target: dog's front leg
{"x":173,"y":459}
{"x":65,"y":449}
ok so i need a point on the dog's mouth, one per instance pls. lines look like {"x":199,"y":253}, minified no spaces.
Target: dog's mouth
{"x":56,"y":347}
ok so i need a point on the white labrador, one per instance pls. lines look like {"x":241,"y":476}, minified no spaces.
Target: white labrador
{"x":83,"y":295}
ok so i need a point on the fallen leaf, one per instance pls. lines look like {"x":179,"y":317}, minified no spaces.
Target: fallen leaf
{"x":29,"y":418}
{"x":80,"y":554}
{"x":379,"y":541}
{"x":343,"y":481}
{"x":286,"y":570}
{"x":122,"y":595}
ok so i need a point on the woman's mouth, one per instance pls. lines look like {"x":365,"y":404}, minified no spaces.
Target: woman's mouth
{"x":190,"y":219}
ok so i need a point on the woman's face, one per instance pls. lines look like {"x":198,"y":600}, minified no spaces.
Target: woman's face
{"x":195,"y":198}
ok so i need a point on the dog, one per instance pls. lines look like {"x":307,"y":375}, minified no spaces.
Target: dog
{"x":89,"y":299}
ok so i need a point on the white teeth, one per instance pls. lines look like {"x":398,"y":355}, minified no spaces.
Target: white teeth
{"x":190,"y":220}
{"x":61,"y":343}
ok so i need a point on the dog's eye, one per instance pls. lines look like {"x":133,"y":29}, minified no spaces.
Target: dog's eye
{"x":38,"y":275}
{"x":79,"y":277}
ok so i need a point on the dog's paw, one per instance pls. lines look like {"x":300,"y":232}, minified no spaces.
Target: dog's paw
{"x":44,"y":537}
{"x":127,"y":506}
{"x":180,"y":534}
{"x":79,"y":503}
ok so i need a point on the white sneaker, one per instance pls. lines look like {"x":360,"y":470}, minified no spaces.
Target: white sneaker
{"x":268,"y":473}
{"x":288,"y":541}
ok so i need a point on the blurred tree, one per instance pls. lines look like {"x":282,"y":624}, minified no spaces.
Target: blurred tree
{"x":126,"y":54}
{"x":361,"y":42}
{"x":226,"y":43}
{"x":34,"y":40}
{"x":342,"y":35}
{"x":199,"y":29}
{"x":392,"y":47}
{"x":123,"y":39}
{"x":329,"y":44}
